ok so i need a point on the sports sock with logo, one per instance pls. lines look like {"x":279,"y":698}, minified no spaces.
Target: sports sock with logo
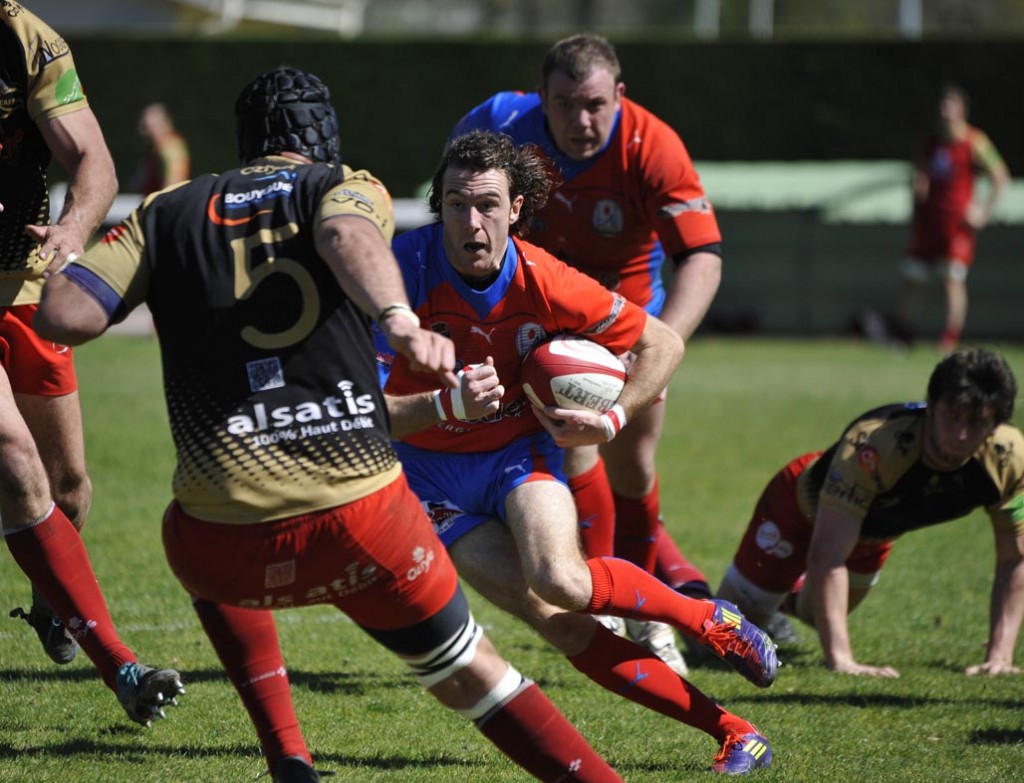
{"x":623,"y":589}
{"x":633,"y":672}
{"x":595,"y":508}
{"x":246,"y":643}
{"x":53,"y":556}
{"x":531,"y":731}
{"x":636,"y":526}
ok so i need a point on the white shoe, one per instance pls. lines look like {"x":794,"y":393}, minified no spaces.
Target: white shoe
{"x":660,"y":639}
{"x":614,"y":624}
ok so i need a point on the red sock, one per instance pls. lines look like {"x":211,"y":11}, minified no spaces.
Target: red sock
{"x":595,"y":509}
{"x":635,"y":673}
{"x":53,"y":556}
{"x":246,"y":643}
{"x":622,"y":589}
{"x":531,"y":731}
{"x":636,"y":527}
{"x":672,"y":568}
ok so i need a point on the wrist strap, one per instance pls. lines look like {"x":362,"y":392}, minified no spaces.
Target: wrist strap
{"x":614,"y":419}
{"x":399,"y":309}
{"x":448,"y":402}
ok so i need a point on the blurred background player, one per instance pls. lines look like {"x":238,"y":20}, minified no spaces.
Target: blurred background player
{"x":45,"y":492}
{"x":287,"y":491}
{"x":627,"y":198}
{"x":488,"y":470}
{"x":166,"y":161}
{"x":895,"y":469}
{"x":947,"y":216}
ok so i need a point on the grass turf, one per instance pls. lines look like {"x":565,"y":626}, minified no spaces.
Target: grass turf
{"x":737,"y":411}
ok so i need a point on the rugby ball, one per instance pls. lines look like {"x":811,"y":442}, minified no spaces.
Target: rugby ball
{"x":573,"y":372}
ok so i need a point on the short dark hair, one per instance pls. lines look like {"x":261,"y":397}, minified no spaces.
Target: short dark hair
{"x":481,"y":150}
{"x":577,"y":55}
{"x":973,"y":379}
{"x":287,"y":110}
{"x":951,"y":89}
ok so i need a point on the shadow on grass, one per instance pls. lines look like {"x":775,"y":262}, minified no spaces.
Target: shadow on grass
{"x":868,"y":700}
{"x":130,"y":752}
{"x":353,"y":683}
{"x":997,"y":737}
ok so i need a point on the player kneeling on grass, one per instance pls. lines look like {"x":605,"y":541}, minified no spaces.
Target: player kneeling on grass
{"x":488,"y":466}
{"x":287,"y":490}
{"x":897,"y":468}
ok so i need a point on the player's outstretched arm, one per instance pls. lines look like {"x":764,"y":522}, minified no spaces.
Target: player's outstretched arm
{"x":1007,"y":606}
{"x":691,"y":292}
{"x":77,"y":143}
{"x":835,"y":535}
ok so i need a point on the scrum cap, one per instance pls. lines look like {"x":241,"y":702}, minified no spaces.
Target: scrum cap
{"x":287,"y":110}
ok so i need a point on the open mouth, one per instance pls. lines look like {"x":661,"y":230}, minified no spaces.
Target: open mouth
{"x":473,"y":247}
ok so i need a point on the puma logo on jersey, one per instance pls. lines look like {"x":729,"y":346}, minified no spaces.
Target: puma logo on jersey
{"x":565,"y":200}
{"x":482,"y":333}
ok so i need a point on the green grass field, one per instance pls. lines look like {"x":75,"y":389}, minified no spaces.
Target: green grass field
{"x":738,"y":410}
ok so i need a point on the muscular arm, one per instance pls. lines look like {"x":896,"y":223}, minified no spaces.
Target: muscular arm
{"x":691,"y":292}
{"x":1006,"y":607}
{"x":67,"y":314}
{"x":835,"y":535}
{"x":77,"y":143}
{"x":355,"y":250}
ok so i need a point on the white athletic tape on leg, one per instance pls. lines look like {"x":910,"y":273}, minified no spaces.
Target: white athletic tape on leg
{"x":506,"y":686}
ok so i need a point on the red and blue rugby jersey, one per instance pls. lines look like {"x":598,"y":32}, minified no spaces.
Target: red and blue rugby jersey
{"x":617,"y":215}
{"x":534,"y":297}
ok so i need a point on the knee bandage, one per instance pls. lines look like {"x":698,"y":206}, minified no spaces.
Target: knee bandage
{"x":448,"y":657}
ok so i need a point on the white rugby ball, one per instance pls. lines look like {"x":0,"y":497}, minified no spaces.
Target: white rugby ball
{"x":569,"y":371}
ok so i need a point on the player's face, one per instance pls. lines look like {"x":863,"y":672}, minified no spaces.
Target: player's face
{"x":477,"y":211}
{"x":581,"y":115}
{"x":951,"y":434}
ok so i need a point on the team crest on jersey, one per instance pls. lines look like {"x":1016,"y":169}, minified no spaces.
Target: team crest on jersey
{"x":527,"y":336}
{"x":442,"y":328}
{"x":442,"y":515}
{"x":608,"y":217}
{"x":868,"y":459}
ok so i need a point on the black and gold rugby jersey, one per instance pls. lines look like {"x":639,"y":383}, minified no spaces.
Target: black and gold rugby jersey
{"x":37,"y":81}
{"x":269,"y":371}
{"x":876,"y":473}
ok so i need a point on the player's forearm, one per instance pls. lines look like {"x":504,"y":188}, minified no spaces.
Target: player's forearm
{"x":1007,"y":613}
{"x":658,"y":354}
{"x":411,"y":413}
{"x":91,"y":191}
{"x":830,"y":589}
{"x":691,"y":292}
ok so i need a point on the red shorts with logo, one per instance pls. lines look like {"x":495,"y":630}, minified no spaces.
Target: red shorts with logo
{"x":941,"y":238}
{"x":377,"y":559}
{"x":773,"y":552}
{"x":34,"y":366}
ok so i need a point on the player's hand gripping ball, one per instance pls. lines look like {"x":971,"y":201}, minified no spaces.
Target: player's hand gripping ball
{"x":573,"y":372}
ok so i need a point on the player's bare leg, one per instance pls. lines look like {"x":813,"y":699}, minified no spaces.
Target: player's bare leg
{"x":55,"y":424}
{"x":487,"y":558}
{"x":955,"y":285}
{"x":541,"y":517}
{"x":639,"y":532}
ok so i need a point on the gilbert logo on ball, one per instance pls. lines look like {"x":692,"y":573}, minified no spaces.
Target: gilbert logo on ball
{"x":573,"y":372}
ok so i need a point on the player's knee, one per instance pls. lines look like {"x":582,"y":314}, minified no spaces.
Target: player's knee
{"x":23,"y":485}
{"x":562,"y":585}
{"x":73,"y":495}
{"x":756,"y":602}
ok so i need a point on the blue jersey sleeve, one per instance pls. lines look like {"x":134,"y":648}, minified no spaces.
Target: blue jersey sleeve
{"x":498,"y":113}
